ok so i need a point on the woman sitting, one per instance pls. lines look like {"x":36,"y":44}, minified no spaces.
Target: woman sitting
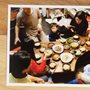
{"x":78,"y":25}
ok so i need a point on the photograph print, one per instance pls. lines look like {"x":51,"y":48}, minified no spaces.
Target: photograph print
{"x":48,"y":45}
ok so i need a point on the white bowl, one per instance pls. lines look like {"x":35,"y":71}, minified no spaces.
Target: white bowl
{"x":66,"y":57}
{"x":58,"y":46}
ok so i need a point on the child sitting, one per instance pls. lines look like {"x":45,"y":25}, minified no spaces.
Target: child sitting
{"x":18,"y":63}
{"x":39,"y":70}
{"x":54,"y":34}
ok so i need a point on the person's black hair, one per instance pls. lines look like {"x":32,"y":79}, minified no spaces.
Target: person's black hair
{"x":82,"y":61}
{"x":15,"y":9}
{"x":18,"y":62}
{"x":54,"y":24}
{"x":81,"y":15}
{"x":28,"y":45}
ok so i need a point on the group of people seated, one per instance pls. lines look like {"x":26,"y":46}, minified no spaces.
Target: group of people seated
{"x":78,"y":25}
{"x":25,"y":30}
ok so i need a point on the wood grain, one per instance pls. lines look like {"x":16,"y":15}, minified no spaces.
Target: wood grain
{"x":3,"y":39}
{"x":54,"y":2}
{"x":4,"y":8}
{"x":3,"y":17}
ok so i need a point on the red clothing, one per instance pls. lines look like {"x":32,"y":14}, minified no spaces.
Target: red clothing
{"x":37,"y":68}
{"x":80,"y":81}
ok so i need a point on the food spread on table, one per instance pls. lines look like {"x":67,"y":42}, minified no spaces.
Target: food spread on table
{"x":63,"y":50}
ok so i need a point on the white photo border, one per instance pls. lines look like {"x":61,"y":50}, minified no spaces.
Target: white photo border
{"x":8,"y":48}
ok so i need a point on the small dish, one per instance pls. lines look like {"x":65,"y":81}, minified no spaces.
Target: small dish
{"x":66,"y":47}
{"x":78,"y":53}
{"x":50,"y":45}
{"x":76,"y":37}
{"x":88,"y":43}
{"x":82,"y":49}
{"x":82,"y":43}
{"x":70,"y":40}
{"x":52,"y":65}
{"x":66,"y":67}
{"x":37,"y":45}
{"x":74,"y":45}
{"x":37,"y":56}
{"x":42,"y":49}
{"x":62,"y":40}
{"x":48,"y":53}
{"x":55,"y":57}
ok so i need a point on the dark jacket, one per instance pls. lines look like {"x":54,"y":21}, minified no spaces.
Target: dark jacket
{"x":83,"y":61}
{"x":80,"y":28}
{"x":53,"y":36}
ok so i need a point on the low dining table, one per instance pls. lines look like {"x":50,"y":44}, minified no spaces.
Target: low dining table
{"x":58,"y":74}
{"x":59,"y":63}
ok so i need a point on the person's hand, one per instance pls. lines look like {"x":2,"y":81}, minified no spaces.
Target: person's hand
{"x":36,"y":79}
{"x":39,"y":80}
{"x":16,"y":40}
{"x":25,"y":71}
{"x":39,"y":26}
{"x":70,"y":26}
{"x":78,"y":76}
{"x":44,"y":57}
{"x":72,"y":30}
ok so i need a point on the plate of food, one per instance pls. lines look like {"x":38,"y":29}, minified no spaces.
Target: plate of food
{"x":66,"y":67}
{"x":82,"y":43}
{"x":88,"y":43}
{"x":50,"y":45}
{"x":70,"y":40}
{"x":66,"y":47}
{"x":66,"y":57}
{"x":52,"y":65}
{"x":76,"y":37}
{"x":42,"y":49}
{"x":82,"y":49}
{"x":38,"y":56}
{"x":37,"y":44}
{"x":56,"y":57}
{"x":78,"y":53}
{"x":74,"y":45}
{"x":58,"y":48}
{"x":48,"y":53}
{"x":62,"y":40}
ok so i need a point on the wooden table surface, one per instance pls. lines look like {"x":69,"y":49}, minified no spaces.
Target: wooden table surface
{"x":3,"y":39}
